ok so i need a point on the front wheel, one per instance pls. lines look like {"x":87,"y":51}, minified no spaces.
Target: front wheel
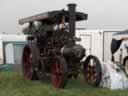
{"x":92,"y":70}
{"x":59,"y":72}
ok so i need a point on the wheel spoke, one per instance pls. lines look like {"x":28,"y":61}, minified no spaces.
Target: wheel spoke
{"x":27,"y":62}
{"x":57,"y":76}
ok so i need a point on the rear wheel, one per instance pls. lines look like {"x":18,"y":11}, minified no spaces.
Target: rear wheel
{"x":59,"y":72}
{"x":27,"y":63}
{"x":92,"y":70}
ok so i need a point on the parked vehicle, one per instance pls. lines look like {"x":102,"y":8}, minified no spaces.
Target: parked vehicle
{"x":121,"y":46}
{"x":52,"y":50}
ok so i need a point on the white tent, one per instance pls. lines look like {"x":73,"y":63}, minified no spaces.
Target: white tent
{"x":8,"y":48}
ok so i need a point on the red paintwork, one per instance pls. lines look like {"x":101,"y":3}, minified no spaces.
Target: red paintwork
{"x":27,"y":62}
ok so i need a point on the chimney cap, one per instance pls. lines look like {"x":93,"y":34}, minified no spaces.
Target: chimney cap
{"x":71,"y":4}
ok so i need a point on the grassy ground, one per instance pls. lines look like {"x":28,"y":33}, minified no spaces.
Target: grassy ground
{"x":13,"y":84}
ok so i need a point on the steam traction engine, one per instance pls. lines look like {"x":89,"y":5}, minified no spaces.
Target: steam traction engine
{"x":52,"y":52}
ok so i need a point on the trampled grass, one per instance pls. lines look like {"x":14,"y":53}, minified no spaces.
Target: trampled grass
{"x":13,"y":84}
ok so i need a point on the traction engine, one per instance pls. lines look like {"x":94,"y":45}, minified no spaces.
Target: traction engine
{"x":52,"y":52}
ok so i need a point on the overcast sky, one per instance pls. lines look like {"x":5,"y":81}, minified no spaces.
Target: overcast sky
{"x":102,"y":14}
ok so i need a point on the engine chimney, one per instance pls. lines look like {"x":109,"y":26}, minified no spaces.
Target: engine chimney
{"x":72,"y":18}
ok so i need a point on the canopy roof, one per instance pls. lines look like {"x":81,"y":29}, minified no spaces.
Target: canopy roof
{"x":51,"y":16}
{"x":125,"y":32}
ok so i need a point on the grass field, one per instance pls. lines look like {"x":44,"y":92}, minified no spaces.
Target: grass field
{"x":13,"y":84}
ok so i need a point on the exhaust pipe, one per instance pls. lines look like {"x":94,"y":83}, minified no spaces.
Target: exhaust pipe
{"x":72,"y":18}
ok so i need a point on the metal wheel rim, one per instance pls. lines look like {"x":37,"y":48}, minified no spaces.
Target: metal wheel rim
{"x":27,"y":62}
{"x":56,"y":74}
